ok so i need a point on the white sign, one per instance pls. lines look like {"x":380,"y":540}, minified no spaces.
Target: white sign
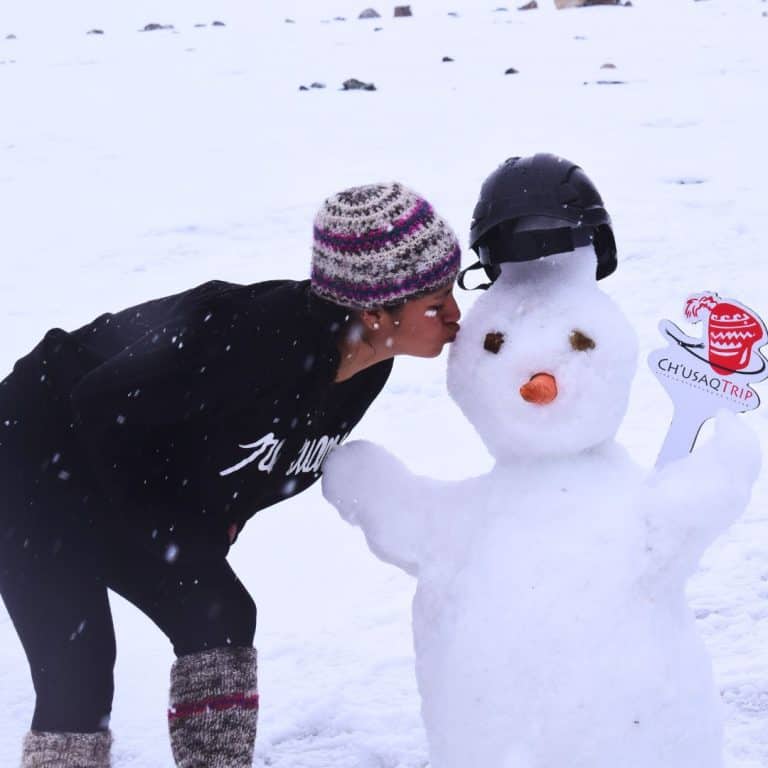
{"x":704,"y":375}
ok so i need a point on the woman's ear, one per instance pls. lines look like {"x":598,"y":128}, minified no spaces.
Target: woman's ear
{"x":371,"y":319}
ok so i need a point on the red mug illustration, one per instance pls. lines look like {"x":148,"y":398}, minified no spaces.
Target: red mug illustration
{"x":732,"y":332}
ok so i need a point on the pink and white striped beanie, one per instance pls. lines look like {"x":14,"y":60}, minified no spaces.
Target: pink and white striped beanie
{"x":379,"y":244}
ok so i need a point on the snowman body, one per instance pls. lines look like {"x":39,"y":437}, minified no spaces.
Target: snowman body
{"x":544,"y":645}
{"x":550,"y":622}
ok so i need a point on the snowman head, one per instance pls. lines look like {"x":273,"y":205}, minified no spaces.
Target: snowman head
{"x":544,"y":317}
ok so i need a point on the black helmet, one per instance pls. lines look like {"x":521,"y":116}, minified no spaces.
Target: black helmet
{"x":531,"y":207}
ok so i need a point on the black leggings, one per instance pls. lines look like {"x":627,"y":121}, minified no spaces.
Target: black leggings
{"x":55,"y":589}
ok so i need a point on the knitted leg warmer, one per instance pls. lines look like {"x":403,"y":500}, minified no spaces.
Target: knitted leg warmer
{"x":66,"y":750}
{"x":213,"y":709}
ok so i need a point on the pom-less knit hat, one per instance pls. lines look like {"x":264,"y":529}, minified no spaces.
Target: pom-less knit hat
{"x":379,"y":244}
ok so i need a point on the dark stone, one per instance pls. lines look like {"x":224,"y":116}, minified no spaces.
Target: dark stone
{"x":198,"y":26}
{"x":10,"y":37}
{"x":377,"y":29}
{"x":511,"y":71}
{"x":454,"y":14}
{"x":493,"y":342}
{"x":532,"y":6}
{"x":317,"y":85}
{"x":154,"y":26}
{"x":218,"y":24}
{"x":369,"y":13}
{"x":339,"y":18}
{"x":500,"y":10}
{"x":584,"y":3}
{"x":95,"y":32}
{"x":290,"y":21}
{"x":357,"y":85}
{"x":610,"y":82}
{"x":580,"y":342}
{"x":447,"y":58}
{"x":303,"y":88}
{"x":608,"y":65}
{"x":402,"y":11}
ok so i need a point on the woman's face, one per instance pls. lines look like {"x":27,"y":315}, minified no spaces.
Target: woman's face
{"x":423,"y":326}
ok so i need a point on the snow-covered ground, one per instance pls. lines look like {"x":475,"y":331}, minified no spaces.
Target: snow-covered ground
{"x":134,"y":164}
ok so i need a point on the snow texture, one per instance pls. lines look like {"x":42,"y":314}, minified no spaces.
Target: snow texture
{"x":137,"y":164}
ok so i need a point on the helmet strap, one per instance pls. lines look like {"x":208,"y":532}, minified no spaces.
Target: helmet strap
{"x":481,"y":286}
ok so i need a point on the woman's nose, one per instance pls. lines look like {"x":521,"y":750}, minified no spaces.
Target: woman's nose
{"x":452,"y":311}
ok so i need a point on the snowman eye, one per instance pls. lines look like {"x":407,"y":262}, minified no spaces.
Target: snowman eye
{"x":493,"y":342}
{"x":580,"y":341}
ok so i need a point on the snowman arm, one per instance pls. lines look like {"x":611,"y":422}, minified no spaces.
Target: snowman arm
{"x":372,"y":489}
{"x":690,"y":502}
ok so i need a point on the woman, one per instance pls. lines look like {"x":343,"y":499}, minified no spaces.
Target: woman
{"x":133,"y":451}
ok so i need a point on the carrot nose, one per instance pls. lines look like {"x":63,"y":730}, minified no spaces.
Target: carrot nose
{"x":541,"y":389}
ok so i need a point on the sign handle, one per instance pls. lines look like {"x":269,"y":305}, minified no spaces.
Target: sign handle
{"x":681,"y":436}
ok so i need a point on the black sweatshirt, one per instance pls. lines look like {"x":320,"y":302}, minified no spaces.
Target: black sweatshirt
{"x":192,"y":412}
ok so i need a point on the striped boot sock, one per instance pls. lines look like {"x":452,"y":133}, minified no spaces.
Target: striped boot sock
{"x":66,"y":750}
{"x":213,"y":709}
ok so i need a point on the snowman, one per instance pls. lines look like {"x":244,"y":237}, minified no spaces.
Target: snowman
{"x":550,"y":623}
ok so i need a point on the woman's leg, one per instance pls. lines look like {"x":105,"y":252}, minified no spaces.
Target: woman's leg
{"x":210,"y":619}
{"x":59,"y":607}
{"x":48,"y":579}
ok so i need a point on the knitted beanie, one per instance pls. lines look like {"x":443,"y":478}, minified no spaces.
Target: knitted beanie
{"x":378,"y":244}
